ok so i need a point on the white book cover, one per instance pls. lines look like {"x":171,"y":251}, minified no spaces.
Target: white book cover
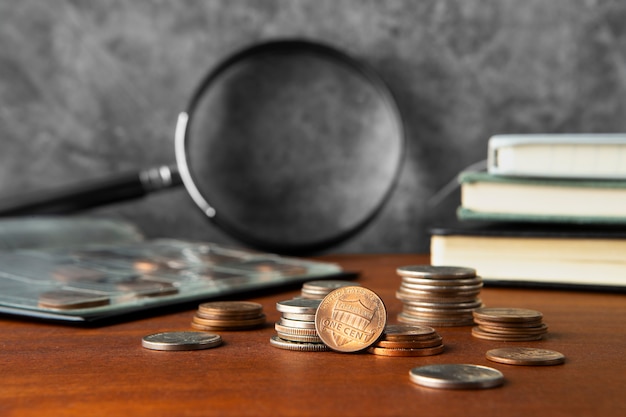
{"x":580,"y":155}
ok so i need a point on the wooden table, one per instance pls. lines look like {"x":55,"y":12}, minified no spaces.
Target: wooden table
{"x":48,"y":369}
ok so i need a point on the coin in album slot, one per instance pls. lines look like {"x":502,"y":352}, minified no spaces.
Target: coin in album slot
{"x":64,"y":299}
{"x":75,"y":273}
{"x":147,"y":288}
{"x":436,"y":272}
{"x":525,"y":356}
{"x":350,"y":319}
{"x":181,"y":341}
{"x":298,"y":346}
{"x":456,"y":376}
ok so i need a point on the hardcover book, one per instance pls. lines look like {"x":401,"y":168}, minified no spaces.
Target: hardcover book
{"x":555,"y":255}
{"x":601,"y":156}
{"x":486,"y":196}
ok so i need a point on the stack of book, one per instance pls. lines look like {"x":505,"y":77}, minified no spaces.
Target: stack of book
{"x":550,"y":210}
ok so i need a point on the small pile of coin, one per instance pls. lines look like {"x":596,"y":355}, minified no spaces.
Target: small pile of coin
{"x":319,"y":289}
{"x":228,"y":315}
{"x":509,"y":324}
{"x":438,"y":295}
{"x":407,"y":340}
{"x":296,"y":328}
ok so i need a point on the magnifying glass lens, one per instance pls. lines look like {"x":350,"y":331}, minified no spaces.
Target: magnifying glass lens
{"x":293,"y":146}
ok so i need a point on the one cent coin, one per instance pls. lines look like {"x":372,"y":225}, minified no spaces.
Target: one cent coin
{"x":350,"y":319}
{"x":525,"y":356}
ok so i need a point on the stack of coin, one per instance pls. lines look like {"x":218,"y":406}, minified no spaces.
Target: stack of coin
{"x":296,"y":328}
{"x":228,"y":315}
{"x":407,"y":340}
{"x":509,"y":324}
{"x":438,"y":295}
{"x":320,"y":289}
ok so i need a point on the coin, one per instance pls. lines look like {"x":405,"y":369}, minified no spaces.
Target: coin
{"x":228,"y":324}
{"x":327,"y":285}
{"x":456,"y":376}
{"x":181,"y":341}
{"x":298,"y":346}
{"x":230,"y":309}
{"x":525,"y":356}
{"x":70,"y":300}
{"x":437,"y":272}
{"x":298,"y":306}
{"x":503,"y":314}
{"x":350,"y":319}
{"x":413,"y":344}
{"x":406,"y":351}
{"x":482,"y":334}
{"x":407,"y":332}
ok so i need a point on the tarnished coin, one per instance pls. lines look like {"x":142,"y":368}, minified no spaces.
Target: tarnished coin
{"x":181,"y":341}
{"x":456,"y":376}
{"x":402,"y":332}
{"x":482,"y":334}
{"x":350,"y":319}
{"x":430,"y":351}
{"x":503,"y":314}
{"x":229,"y":309}
{"x":228,"y":324}
{"x":525,"y":356}
{"x":298,"y":346}
{"x":436,"y":272}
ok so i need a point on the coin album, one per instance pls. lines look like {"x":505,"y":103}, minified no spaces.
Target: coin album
{"x":99,"y":281}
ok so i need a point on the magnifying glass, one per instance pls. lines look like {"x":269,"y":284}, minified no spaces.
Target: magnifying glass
{"x":289,"y":146}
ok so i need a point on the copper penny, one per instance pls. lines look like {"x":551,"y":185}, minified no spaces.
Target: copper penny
{"x":350,"y":319}
{"x":525,"y":356}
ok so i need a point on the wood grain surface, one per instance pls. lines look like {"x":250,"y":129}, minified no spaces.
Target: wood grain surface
{"x":48,"y":369}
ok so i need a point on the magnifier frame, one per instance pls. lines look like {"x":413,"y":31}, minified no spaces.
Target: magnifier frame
{"x":182,"y":139}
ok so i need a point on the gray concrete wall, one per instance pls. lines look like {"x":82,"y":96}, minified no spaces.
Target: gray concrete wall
{"x":90,"y":88}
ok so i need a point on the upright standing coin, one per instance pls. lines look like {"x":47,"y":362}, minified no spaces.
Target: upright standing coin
{"x":456,"y":376}
{"x":181,"y":341}
{"x":350,"y":319}
{"x":525,"y":356}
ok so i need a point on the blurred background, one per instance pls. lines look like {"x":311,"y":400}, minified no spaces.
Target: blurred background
{"x":92,"y":88}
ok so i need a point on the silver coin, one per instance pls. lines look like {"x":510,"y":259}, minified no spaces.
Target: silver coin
{"x":298,"y":306}
{"x":181,"y":341}
{"x":456,"y":376}
{"x":297,"y":323}
{"x":327,"y":285}
{"x":301,"y":317}
{"x":437,"y":272}
{"x":298,"y":346}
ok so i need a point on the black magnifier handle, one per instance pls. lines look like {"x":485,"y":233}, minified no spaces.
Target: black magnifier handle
{"x":117,"y":188}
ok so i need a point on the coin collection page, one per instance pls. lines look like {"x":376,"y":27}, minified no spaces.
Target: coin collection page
{"x":101,"y":281}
